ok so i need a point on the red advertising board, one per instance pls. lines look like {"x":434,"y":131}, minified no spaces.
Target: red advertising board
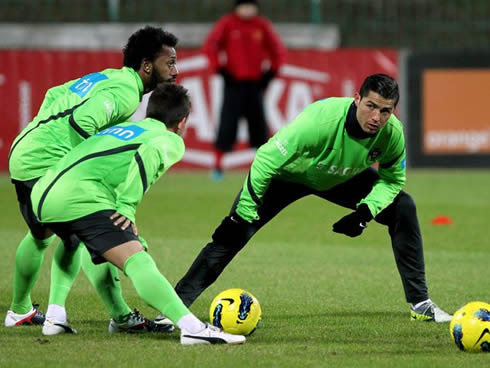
{"x":308,"y":75}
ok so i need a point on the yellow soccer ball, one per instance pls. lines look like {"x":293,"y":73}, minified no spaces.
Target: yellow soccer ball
{"x":236,"y":311}
{"x":470,"y":327}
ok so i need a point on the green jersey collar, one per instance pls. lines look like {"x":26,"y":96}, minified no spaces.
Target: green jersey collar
{"x":138,"y":80}
{"x":161,"y":126}
{"x":156,"y":122}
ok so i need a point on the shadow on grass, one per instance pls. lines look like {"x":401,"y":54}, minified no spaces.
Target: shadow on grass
{"x":100,"y":328}
{"x":86,"y":328}
{"x":342,"y":314}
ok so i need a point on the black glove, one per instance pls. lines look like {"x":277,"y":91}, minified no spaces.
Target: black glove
{"x":354,"y":223}
{"x":266,"y":79}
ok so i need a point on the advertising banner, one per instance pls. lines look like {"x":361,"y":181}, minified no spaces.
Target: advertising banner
{"x":308,"y":75}
{"x":461,"y":129}
{"x":446,"y":120}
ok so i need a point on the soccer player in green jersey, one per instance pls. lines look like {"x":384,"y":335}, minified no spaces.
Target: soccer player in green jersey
{"x":105,"y":177}
{"x":69,"y":114}
{"x":328,"y":151}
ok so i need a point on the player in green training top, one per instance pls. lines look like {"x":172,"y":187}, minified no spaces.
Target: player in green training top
{"x":328,"y":151}
{"x":68,"y":115}
{"x":106,"y":176}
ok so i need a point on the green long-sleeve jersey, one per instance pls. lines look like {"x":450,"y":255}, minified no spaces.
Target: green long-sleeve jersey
{"x":317,"y":150}
{"x":69,"y":114}
{"x":109,"y":171}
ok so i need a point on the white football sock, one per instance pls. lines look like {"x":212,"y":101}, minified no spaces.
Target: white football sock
{"x":190,"y":323}
{"x":56,"y":312}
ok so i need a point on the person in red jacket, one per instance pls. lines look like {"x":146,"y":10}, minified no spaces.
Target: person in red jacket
{"x":246,"y":50}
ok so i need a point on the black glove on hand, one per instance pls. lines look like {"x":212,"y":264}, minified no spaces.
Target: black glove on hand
{"x":354,"y":223}
{"x":266,"y":79}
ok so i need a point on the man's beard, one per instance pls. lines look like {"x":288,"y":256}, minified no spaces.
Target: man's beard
{"x":156,"y":79}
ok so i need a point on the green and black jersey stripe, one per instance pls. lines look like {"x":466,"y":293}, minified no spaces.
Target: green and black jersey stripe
{"x":112,"y":151}
{"x":52,"y":118}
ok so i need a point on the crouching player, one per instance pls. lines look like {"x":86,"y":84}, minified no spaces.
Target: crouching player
{"x":92,"y":193}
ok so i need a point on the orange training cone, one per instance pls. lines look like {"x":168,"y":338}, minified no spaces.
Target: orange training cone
{"x":442,"y":220}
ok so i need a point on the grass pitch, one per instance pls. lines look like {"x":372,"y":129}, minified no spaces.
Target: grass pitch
{"x":327,"y":300}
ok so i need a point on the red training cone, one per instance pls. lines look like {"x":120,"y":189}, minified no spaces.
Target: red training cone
{"x":442,"y":220}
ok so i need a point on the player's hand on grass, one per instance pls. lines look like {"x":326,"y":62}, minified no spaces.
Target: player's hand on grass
{"x":123,"y":222}
{"x":354,"y":223}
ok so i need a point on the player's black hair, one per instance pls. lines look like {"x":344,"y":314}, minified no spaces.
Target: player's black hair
{"x":169,"y":103}
{"x":240,"y":2}
{"x":382,"y":84}
{"x":146,"y":43}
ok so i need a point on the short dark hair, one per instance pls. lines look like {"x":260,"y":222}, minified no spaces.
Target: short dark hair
{"x":240,"y":2}
{"x":169,"y":103}
{"x":146,"y":43}
{"x":382,"y":84}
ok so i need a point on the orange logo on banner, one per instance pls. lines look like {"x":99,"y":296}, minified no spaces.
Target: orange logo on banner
{"x":455,"y":117}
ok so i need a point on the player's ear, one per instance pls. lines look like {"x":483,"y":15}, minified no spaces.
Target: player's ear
{"x":181,"y":126}
{"x":146,"y":66}
{"x":357,"y":98}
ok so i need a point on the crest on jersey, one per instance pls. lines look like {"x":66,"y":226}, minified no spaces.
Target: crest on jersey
{"x":374,"y":154}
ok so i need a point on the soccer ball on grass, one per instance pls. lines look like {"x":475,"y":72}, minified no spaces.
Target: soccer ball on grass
{"x":470,"y":327}
{"x":236,"y":311}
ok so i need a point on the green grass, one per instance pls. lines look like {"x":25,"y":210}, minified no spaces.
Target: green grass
{"x":327,"y":300}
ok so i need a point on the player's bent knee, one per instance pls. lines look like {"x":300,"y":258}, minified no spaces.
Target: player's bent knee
{"x":119,"y":254}
{"x":403,"y":207}
{"x":406,"y":204}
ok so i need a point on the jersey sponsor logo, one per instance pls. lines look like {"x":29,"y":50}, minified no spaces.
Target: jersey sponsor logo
{"x":343,"y":171}
{"x":281,"y":147}
{"x":403,"y":163}
{"x":125,"y":133}
{"x":83,"y":86}
{"x":321,"y":165}
{"x":374,"y":154}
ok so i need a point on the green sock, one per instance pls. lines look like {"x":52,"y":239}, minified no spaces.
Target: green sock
{"x":28,"y":261}
{"x":64,"y":270}
{"x":105,"y":279}
{"x":153,"y":287}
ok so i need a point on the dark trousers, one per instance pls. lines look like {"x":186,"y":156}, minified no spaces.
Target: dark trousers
{"x":230,"y":237}
{"x":23,"y":190}
{"x":241,"y":99}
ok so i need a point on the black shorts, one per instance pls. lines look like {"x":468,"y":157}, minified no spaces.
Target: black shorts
{"x":23,"y":190}
{"x":96,"y":231}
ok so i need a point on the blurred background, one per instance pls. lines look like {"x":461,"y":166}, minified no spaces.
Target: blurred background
{"x":438,"y":50}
